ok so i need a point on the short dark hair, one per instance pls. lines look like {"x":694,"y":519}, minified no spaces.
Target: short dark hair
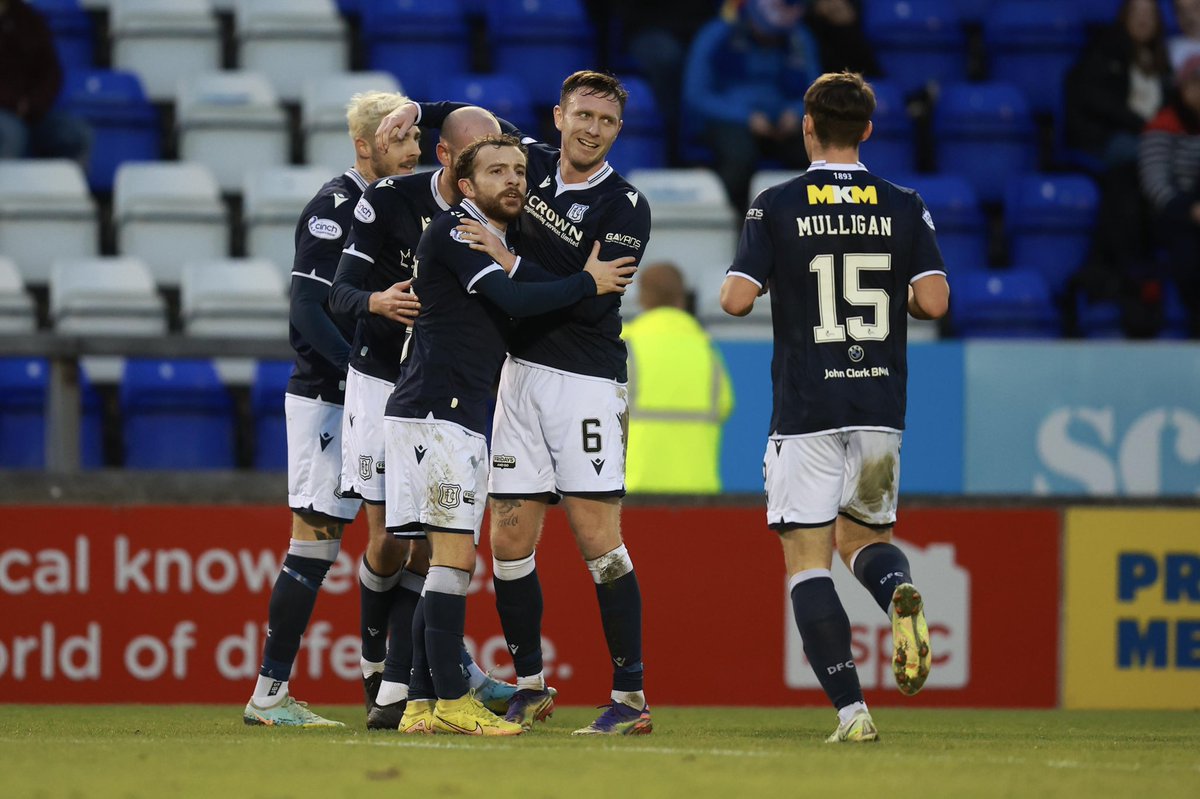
{"x":601,"y":84}
{"x":841,"y":105}
{"x":464,"y":167}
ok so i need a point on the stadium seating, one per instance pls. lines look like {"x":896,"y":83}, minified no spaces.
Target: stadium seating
{"x":164,"y":41}
{"x":176,"y":415}
{"x":323,"y":116}
{"x":105,"y":296}
{"x":961,"y":227}
{"x":72,"y":31}
{"x":540,"y":42}
{"x":984,"y":131}
{"x":890,"y":149}
{"x":235,"y":298}
{"x":232,"y":122}
{"x":416,"y":40}
{"x":1049,"y":222}
{"x":16,"y":306}
{"x":275,"y":36}
{"x":166,"y":212}
{"x":1098,"y":320}
{"x":1175,"y":316}
{"x":694,"y":227}
{"x":503,"y":95}
{"x":124,"y":124}
{"x":1014,"y":303}
{"x":917,"y":41}
{"x":24,"y":390}
{"x":266,"y":407}
{"x":1032,"y":43}
{"x":1100,"y":12}
{"x":45,"y":212}
{"x":974,"y":10}
{"x":272,"y":202}
{"x":641,"y":143}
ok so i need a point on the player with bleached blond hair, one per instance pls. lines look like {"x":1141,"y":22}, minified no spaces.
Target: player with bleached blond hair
{"x":313,"y":406}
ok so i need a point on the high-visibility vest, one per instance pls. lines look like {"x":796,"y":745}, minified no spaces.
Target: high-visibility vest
{"x":679,"y":395}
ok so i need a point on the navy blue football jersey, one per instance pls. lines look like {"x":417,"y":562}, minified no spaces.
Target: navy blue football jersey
{"x":560,"y":224}
{"x":459,"y":340}
{"x":388,"y":221}
{"x":320,"y":235}
{"x":838,"y":248}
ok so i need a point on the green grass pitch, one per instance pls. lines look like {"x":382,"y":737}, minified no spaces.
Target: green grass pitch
{"x":206,"y":751}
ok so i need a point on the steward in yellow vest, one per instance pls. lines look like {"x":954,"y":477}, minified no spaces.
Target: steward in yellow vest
{"x":679,"y":393}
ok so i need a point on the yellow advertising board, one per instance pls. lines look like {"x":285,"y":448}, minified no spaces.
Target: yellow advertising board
{"x":1131,"y":608}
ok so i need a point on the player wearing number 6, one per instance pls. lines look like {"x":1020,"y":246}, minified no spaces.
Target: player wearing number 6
{"x":845,"y":255}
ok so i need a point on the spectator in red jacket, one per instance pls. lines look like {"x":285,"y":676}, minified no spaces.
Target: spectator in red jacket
{"x":31,"y":79}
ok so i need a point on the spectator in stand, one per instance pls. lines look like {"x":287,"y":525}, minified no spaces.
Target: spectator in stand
{"x":655,"y":36}
{"x":1118,"y":84}
{"x":1169,"y":165}
{"x":837,"y":27}
{"x":31,"y":79}
{"x":744,"y":88}
{"x":1186,"y":43}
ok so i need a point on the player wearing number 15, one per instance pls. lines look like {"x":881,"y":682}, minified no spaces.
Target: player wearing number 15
{"x":845,"y":255}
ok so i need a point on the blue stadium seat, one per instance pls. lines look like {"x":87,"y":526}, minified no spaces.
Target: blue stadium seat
{"x":72,"y":30}
{"x":642,"y":142}
{"x":961,"y":228}
{"x":1049,"y":222}
{"x":503,"y":95}
{"x":984,"y":131}
{"x":177,"y":415}
{"x":917,"y":41}
{"x":1098,"y":12}
{"x":889,"y":151}
{"x":24,"y":384}
{"x":416,"y":40}
{"x":1099,"y":319}
{"x":1175,"y":315}
{"x":1014,"y":303}
{"x":124,"y":123}
{"x":974,"y":10}
{"x":1032,"y":43}
{"x":266,"y":406}
{"x":541,"y":42}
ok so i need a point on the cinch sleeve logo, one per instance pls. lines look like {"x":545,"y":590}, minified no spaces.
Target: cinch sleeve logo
{"x":324,"y":228}
{"x":835,"y":195}
{"x":364,"y":211}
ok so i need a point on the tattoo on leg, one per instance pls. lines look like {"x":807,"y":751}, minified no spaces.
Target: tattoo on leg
{"x":328,"y":532}
{"x":506,"y":510}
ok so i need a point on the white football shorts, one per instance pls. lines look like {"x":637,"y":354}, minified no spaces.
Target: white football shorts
{"x":363,"y":456}
{"x":314,"y":454}
{"x":438,"y":477}
{"x":811,"y":479}
{"x":557,"y":432}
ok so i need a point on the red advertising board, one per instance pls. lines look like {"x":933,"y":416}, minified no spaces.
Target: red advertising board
{"x":168,"y":604}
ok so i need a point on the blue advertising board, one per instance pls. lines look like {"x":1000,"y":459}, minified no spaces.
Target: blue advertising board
{"x":1083,"y":418}
{"x":931,"y":461}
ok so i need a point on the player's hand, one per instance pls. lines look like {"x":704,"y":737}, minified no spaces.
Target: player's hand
{"x":480,"y":238}
{"x":397,"y":303}
{"x":611,"y":276}
{"x":395,"y":125}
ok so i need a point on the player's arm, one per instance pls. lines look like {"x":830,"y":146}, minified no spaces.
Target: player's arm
{"x":396,"y":125}
{"x":307,"y":314}
{"x":929,"y":297}
{"x":350,"y":296}
{"x":747,"y":278}
{"x":530,"y":299}
{"x":928,"y":291}
{"x":624,"y":231}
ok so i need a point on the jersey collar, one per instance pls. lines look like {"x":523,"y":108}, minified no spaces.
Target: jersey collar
{"x":856,"y":167}
{"x":473,"y":209}
{"x":357,"y":177}
{"x":595,"y":179}
{"x":433,"y":189}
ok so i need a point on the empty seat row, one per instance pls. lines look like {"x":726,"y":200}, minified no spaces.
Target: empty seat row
{"x":174,"y":414}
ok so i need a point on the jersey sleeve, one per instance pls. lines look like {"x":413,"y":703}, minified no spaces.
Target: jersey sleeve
{"x":927,"y":256}
{"x":371,"y":219}
{"x":448,"y":248}
{"x":755,"y":252}
{"x":319,"y":235}
{"x":625,"y":228}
